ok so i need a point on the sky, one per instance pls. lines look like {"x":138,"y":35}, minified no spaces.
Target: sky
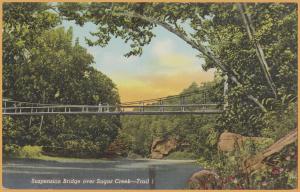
{"x":167,"y":66}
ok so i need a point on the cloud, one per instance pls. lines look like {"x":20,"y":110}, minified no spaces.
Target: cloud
{"x":163,"y":47}
{"x":166,"y":56}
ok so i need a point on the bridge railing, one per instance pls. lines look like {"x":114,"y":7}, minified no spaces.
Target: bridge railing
{"x":172,"y":107}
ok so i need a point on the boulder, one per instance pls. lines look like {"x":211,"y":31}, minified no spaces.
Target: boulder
{"x":156,"y":155}
{"x":229,"y":142}
{"x":204,"y":179}
{"x":162,"y":147}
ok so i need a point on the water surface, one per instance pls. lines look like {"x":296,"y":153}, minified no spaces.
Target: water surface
{"x":99,"y":174}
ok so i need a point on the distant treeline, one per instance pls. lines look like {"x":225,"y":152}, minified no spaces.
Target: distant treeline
{"x":196,"y":132}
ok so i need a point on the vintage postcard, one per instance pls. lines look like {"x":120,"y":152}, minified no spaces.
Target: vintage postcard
{"x":149,"y":95}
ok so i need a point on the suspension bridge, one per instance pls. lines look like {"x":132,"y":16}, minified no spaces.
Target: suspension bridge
{"x":171,"y":105}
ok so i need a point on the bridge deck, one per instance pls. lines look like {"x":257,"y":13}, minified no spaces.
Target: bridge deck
{"x":121,"y":113}
{"x":115,"y":110}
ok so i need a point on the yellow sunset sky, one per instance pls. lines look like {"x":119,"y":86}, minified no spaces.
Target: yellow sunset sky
{"x":137,"y":87}
{"x":161,"y":86}
{"x":164,"y":70}
{"x":167,"y":66}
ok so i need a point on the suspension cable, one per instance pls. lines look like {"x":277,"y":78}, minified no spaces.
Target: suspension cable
{"x":125,"y":103}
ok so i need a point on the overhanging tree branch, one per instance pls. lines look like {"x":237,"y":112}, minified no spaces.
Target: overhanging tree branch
{"x":194,"y":45}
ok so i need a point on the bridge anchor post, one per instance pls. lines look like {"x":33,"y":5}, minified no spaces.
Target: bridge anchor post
{"x":182,"y":104}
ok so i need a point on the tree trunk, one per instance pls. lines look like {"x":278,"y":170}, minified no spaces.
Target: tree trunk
{"x":258,"y":49}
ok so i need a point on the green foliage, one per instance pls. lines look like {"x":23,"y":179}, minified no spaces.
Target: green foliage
{"x":280,"y":123}
{"x":196,"y":132}
{"x":121,"y":146}
{"x":42,"y":64}
{"x":279,"y":172}
{"x":30,"y":152}
{"x":11,"y":150}
{"x":22,"y":23}
{"x":140,"y":133}
{"x":80,"y":148}
{"x":218,"y":33}
{"x":228,"y":39}
{"x":27,"y":151}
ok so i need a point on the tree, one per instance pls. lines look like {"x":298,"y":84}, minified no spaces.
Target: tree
{"x":135,"y":21}
{"x":197,"y":131}
{"x":259,"y":51}
{"x":276,"y":29}
{"x":44,"y":65}
{"x":22,"y":23}
{"x":262,"y":69}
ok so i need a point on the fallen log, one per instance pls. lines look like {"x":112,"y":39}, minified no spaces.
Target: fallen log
{"x":256,"y":162}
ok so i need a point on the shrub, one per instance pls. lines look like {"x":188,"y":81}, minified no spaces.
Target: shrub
{"x":30,"y":151}
{"x":27,"y":151}
{"x":132,"y":155}
{"x":279,"y":171}
{"x":80,"y":148}
{"x":122,"y":145}
{"x":279,"y":123}
{"x":11,"y":150}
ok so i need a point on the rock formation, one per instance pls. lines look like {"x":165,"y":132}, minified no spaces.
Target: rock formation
{"x":162,"y":147}
{"x":231,"y":141}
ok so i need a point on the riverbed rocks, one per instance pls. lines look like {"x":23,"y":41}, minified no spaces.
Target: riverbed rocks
{"x":162,"y":147}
